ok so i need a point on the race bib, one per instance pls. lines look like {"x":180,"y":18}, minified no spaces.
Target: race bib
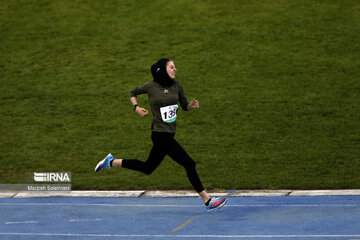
{"x":168,"y":113}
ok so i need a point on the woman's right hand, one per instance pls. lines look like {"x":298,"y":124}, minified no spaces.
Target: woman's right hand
{"x":141,"y":111}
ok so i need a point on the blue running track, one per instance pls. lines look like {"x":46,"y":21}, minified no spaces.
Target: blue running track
{"x":255,"y":218}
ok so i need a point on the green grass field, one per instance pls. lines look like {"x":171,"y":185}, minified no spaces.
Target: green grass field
{"x":278,"y":84}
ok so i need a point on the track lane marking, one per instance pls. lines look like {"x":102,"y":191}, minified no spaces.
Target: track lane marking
{"x":175,"y":205}
{"x":175,"y":236}
{"x":85,"y":220}
{"x":23,"y":222}
{"x":184,"y":224}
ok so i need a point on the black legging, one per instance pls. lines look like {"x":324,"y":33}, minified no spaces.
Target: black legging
{"x":165,"y":144}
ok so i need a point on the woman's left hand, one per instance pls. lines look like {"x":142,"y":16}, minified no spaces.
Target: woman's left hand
{"x":193,"y":104}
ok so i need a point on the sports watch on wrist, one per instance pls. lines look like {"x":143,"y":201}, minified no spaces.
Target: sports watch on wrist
{"x":134,"y":107}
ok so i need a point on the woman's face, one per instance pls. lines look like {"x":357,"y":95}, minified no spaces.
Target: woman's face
{"x":170,"y":69}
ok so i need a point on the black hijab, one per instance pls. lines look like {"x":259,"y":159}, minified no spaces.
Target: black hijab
{"x":159,"y":73}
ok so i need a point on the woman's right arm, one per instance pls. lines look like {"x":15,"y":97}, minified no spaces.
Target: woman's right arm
{"x":137,"y":91}
{"x":141,"y":111}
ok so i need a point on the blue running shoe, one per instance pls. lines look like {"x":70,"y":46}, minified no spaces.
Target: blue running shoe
{"x":216,"y":203}
{"x":105,"y":163}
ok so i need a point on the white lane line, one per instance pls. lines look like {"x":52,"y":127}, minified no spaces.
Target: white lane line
{"x":24,"y":222}
{"x":85,"y":220}
{"x":177,"y":206}
{"x":296,"y":205}
{"x":175,"y":236}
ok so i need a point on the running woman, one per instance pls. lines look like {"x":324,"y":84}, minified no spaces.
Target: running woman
{"x":164,"y":94}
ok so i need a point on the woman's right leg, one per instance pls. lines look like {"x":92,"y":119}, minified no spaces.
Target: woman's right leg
{"x":156,"y":156}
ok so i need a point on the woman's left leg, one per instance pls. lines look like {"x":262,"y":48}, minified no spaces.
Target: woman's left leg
{"x":178,"y":154}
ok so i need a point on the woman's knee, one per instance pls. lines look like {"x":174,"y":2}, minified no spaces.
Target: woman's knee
{"x":148,"y":170}
{"x":149,"y":167}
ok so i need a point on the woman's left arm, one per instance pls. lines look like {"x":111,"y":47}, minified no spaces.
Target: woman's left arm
{"x":185,"y":105}
{"x":193,"y":104}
